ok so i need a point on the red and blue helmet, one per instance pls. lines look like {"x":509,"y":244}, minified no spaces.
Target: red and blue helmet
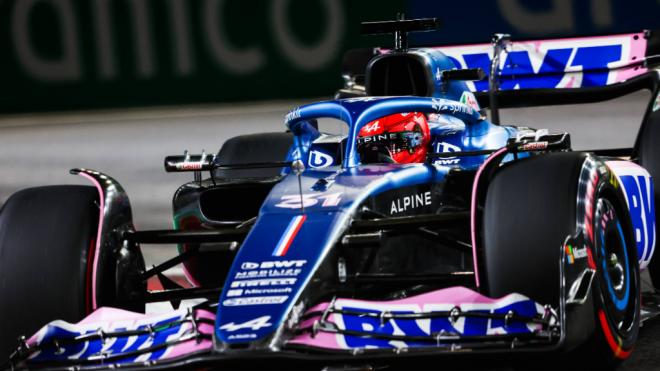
{"x":401,"y":138}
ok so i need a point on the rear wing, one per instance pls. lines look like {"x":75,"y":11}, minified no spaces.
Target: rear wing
{"x":559,"y":63}
{"x":549,"y":71}
{"x":564,"y":71}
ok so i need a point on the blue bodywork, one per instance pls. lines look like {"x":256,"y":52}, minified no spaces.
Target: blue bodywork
{"x":317,"y":206}
{"x":304,"y":215}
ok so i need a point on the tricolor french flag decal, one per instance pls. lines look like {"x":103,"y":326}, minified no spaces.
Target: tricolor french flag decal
{"x":289,"y":235}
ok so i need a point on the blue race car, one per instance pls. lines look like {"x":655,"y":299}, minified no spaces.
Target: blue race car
{"x":425,"y":230}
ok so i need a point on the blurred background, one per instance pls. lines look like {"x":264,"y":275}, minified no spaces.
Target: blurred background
{"x":116,"y":85}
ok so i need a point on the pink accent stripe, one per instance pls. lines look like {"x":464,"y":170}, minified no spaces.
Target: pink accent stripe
{"x":189,"y":277}
{"x":289,"y":235}
{"x":98,"y":235}
{"x":473,"y":212}
{"x":637,"y":54}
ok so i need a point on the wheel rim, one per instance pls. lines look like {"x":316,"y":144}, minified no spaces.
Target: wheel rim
{"x":613,"y":261}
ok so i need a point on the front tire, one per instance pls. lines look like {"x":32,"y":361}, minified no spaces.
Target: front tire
{"x":47,"y":238}
{"x":531,"y":207}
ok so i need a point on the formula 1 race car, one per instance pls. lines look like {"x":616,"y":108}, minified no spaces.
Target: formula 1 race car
{"x":336,"y":251}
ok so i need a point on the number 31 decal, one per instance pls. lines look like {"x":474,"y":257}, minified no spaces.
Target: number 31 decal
{"x":293,"y":201}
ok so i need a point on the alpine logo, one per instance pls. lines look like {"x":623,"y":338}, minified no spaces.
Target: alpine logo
{"x":254,"y":324}
{"x":412,"y":201}
{"x":372,"y":128}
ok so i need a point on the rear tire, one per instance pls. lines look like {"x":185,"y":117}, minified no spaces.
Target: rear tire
{"x":530,"y":210}
{"x":47,"y":235}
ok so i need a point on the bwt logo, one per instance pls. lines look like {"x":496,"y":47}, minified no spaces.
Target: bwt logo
{"x":543,"y":68}
{"x":444,"y":147}
{"x":128,"y":345}
{"x":277,"y":264}
{"x":469,"y":325}
{"x":639,"y":192}
{"x":318,"y":159}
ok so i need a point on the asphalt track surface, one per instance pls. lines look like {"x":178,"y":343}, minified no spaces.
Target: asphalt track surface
{"x":130,"y":145}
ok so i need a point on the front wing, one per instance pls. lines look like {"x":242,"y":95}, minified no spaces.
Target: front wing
{"x":442,"y":321}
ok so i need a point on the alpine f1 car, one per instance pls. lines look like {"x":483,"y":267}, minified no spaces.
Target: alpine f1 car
{"x":425,"y":230}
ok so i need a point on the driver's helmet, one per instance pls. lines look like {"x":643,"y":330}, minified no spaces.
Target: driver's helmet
{"x":401,"y":138}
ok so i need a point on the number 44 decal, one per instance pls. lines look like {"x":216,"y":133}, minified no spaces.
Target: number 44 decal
{"x":293,"y":201}
{"x":253,"y":324}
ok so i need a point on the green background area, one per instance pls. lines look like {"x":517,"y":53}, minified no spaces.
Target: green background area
{"x":89,"y":54}
{"x":201,"y":78}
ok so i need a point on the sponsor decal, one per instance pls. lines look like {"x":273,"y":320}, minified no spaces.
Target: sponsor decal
{"x":534,"y":146}
{"x":469,"y":99}
{"x":241,"y":336}
{"x":363,"y":99}
{"x":283,"y":290}
{"x":309,"y":200}
{"x":276,"y":264}
{"x":165,"y":328}
{"x":249,"y":265}
{"x":444,"y":147}
{"x":275,"y":268}
{"x":639,"y":192}
{"x":413,"y":201}
{"x":254,"y":300}
{"x":551,"y":64}
{"x":268,"y":273}
{"x":189,"y":166}
{"x":318,"y":159}
{"x":232,"y":293}
{"x":289,"y":235}
{"x":573,"y":253}
{"x":292,"y":115}
{"x":253,"y":324}
{"x":371,"y":128}
{"x":445,"y":106}
{"x":264,"y":282}
{"x":637,"y":187}
{"x":378,"y":138}
{"x":468,"y":325}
